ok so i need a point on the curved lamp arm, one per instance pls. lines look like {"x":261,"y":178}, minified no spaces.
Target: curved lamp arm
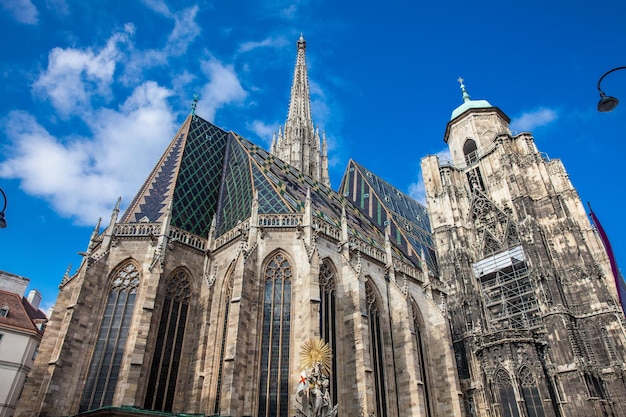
{"x":607,"y":103}
{"x":3,"y":222}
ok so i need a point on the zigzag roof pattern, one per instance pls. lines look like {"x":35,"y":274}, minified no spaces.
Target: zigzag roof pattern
{"x":208,"y":172}
{"x":385,"y":206}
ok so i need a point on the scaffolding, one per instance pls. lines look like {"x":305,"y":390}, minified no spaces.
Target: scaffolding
{"x":508,"y":293}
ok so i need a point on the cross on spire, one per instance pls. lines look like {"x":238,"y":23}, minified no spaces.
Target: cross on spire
{"x":466,"y":96}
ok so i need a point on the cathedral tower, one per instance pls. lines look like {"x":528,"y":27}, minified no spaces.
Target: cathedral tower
{"x":203,"y":295}
{"x":536,"y":327}
{"x":299,"y":143}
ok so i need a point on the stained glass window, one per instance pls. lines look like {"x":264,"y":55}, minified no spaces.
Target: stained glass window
{"x":376,"y":350}
{"x":327,"y":319}
{"x":274,"y":375}
{"x":109,"y":350}
{"x":169,"y":344}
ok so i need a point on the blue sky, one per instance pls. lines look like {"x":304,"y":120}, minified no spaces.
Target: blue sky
{"x":93,"y":91}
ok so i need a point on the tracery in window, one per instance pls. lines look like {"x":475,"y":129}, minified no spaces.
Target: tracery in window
{"x":530,"y":392}
{"x":169,"y":343}
{"x":111,"y":342}
{"x":327,"y":282}
{"x":274,"y":367}
{"x":506,"y":394}
{"x":376,"y":349}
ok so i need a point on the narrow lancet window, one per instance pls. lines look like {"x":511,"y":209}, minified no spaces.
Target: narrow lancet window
{"x":111,"y":342}
{"x":376,"y":350}
{"x":274,"y":367}
{"x":169,"y":344}
{"x":327,"y":320}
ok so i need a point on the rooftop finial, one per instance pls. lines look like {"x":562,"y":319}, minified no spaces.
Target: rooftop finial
{"x":301,"y":41}
{"x":466,"y":96}
{"x":194,"y":105}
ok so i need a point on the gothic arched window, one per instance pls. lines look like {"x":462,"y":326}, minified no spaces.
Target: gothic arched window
{"x":111,"y":342}
{"x":506,"y":394}
{"x":376,"y":350}
{"x":228,"y":293}
{"x":327,"y":319}
{"x":421,"y":355}
{"x":470,"y":151}
{"x":608,"y":345}
{"x":169,"y":344}
{"x":274,"y":367}
{"x":532,"y":400}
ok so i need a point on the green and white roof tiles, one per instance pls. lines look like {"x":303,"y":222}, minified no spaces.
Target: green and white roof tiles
{"x":206,"y":171}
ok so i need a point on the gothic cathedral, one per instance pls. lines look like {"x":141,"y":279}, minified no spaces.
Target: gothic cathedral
{"x":495,"y":301}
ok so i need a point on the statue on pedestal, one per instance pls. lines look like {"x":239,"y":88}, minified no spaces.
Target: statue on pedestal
{"x":313,"y":390}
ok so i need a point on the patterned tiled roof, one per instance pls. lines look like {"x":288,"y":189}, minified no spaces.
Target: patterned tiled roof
{"x":386,"y":206}
{"x":207,"y":172}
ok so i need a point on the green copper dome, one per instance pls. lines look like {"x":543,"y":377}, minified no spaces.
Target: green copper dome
{"x":468,"y":103}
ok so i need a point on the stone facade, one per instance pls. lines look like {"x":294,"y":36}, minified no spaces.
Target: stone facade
{"x":200,"y":297}
{"x":535,"y":323}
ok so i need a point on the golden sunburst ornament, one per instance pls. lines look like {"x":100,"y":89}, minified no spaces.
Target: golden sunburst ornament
{"x":316,"y":351}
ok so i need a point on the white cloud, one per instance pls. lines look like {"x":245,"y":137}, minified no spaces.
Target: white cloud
{"x":273,"y":42}
{"x":82,"y":177}
{"x":223,"y":88}
{"x":24,"y":11}
{"x":263,"y":130}
{"x":185,"y":31}
{"x":417,"y":191}
{"x":60,"y":7}
{"x":75,"y":76}
{"x":531,"y":120}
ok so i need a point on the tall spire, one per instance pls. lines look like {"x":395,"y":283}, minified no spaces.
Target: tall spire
{"x":299,"y":143}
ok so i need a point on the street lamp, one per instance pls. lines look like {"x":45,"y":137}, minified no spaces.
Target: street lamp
{"x":3,"y":222}
{"x":607,"y":103}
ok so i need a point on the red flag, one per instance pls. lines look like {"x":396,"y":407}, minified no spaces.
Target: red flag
{"x":620,"y":285}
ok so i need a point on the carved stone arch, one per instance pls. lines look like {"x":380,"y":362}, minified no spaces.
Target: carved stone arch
{"x":275,"y":332}
{"x":176,"y":278}
{"x":372,"y":294}
{"x":112,"y":334}
{"x":470,"y":151}
{"x":529,"y":385}
{"x":328,"y":275}
{"x":125,"y":269}
{"x":526,"y":376}
{"x":503,"y":387}
{"x":490,"y":244}
{"x":511,"y":237}
{"x":275,"y":252}
{"x":163,"y":382}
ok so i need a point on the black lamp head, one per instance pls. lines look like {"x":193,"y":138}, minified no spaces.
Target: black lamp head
{"x":607,"y":103}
